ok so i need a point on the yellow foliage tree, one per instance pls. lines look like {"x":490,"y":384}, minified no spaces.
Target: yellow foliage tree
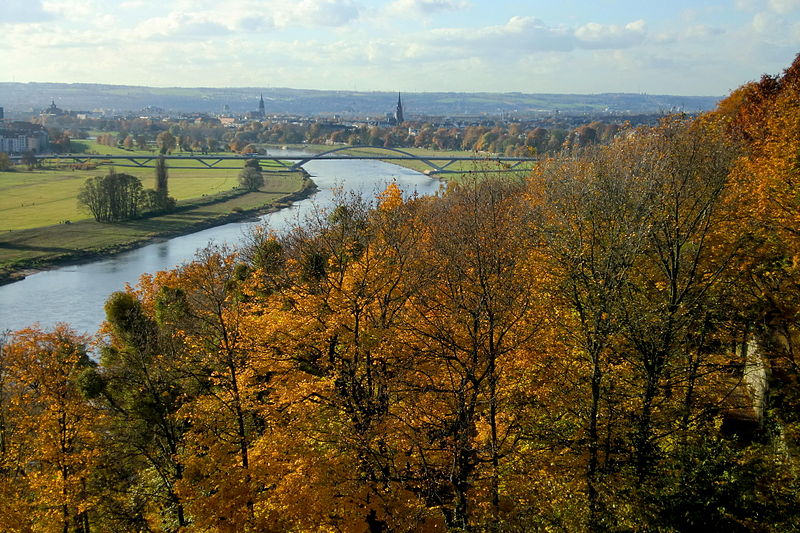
{"x":50,"y":434}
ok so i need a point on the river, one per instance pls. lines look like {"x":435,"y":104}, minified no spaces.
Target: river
{"x":75,"y":294}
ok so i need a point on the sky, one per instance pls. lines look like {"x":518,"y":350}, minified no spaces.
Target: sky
{"x":681,"y":47}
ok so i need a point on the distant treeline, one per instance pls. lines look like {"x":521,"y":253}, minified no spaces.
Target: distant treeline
{"x":513,"y":139}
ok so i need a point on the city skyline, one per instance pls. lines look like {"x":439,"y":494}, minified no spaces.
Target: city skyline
{"x":684,"y":48}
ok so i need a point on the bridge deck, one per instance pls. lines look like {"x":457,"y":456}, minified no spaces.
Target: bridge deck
{"x":438,"y":164}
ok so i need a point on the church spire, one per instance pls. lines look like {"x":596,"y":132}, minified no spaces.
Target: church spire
{"x":261,"y":106}
{"x":398,"y":114}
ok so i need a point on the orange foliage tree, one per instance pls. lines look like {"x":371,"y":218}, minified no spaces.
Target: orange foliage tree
{"x":49,"y":443}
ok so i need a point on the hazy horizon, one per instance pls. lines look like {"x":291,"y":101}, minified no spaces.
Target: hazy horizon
{"x":368,"y":91}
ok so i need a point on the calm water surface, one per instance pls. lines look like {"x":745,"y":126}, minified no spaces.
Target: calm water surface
{"x":75,"y":294}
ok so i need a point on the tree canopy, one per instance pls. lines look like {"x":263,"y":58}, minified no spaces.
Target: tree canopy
{"x":112,"y":197}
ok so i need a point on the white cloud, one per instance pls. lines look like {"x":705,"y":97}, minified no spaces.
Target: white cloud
{"x":377,"y":44}
{"x":37,"y":37}
{"x":519,"y":34}
{"x":315,"y":13}
{"x":71,"y":9}
{"x":177,"y":25}
{"x":784,"y":6}
{"x":593,"y":35}
{"x":527,"y":35}
{"x":765,"y":23}
{"x":424,"y":7}
{"x":773,"y":29}
{"x":702,"y":31}
{"x":23,"y":11}
{"x":251,"y":23}
{"x":132,"y":4}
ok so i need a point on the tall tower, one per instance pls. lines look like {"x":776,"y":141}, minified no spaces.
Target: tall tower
{"x":261,"y":111}
{"x":398,"y":113}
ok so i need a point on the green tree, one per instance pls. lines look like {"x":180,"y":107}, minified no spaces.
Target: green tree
{"x":112,"y":197}
{"x":161,"y":201}
{"x":250,"y":178}
{"x":139,"y":384}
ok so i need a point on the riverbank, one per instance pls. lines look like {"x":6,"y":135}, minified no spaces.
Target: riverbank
{"x":24,"y":252}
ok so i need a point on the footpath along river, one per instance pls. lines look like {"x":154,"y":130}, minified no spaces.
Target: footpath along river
{"x":76,"y":294}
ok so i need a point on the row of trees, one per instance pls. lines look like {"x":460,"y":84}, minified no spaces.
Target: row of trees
{"x":509,"y":139}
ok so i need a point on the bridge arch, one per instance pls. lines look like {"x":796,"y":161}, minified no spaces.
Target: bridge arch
{"x":356,"y":147}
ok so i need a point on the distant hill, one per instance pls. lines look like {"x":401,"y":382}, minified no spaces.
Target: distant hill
{"x":22,"y":98}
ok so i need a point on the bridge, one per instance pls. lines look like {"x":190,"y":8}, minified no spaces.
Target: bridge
{"x":278,"y":163}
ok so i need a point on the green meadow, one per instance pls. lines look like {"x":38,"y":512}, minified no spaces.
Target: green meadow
{"x":41,"y":246}
{"x":44,"y":197}
{"x":29,"y":199}
{"x":41,"y":223}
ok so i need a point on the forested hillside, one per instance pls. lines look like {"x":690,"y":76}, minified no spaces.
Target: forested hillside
{"x":562,"y":352}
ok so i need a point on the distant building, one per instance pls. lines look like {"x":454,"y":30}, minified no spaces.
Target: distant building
{"x":398,"y":112}
{"x":53,"y":110}
{"x":18,"y":137}
{"x":260,"y":114}
{"x":391,"y":119}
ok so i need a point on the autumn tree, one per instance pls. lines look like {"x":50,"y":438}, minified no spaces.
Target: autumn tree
{"x":647,"y":249}
{"x":595,"y":228}
{"x":764,"y":115}
{"x":166,"y":142}
{"x":49,"y":433}
{"x":200,"y":307}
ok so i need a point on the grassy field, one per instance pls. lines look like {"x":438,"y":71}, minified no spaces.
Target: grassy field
{"x":84,"y":146}
{"x":44,"y":197}
{"x":29,"y":199}
{"x":41,"y":246}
